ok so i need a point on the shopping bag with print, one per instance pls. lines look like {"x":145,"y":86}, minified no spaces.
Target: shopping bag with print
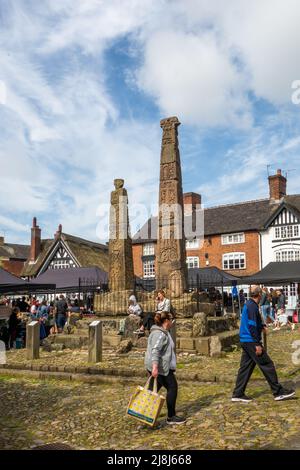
{"x":145,"y":405}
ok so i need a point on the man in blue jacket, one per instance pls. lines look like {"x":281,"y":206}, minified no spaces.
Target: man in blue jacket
{"x":253,"y":354}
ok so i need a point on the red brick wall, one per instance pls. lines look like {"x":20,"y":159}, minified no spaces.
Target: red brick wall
{"x":213,"y":247}
{"x":137,"y":253}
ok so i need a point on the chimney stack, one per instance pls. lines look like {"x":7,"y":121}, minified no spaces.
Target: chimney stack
{"x":35,"y":247}
{"x":2,"y":241}
{"x":58,"y":232}
{"x":190,"y":202}
{"x":277,"y":184}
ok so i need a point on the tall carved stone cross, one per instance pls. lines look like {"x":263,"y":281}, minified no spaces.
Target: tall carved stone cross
{"x":121,"y":275}
{"x":171,"y":271}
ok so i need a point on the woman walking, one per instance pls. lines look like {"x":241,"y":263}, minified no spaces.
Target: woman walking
{"x":160,"y":362}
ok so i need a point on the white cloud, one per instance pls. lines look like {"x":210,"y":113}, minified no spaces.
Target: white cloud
{"x":2,"y":92}
{"x":246,"y":166}
{"x":63,"y":138}
{"x":6,"y":222}
{"x":206,"y":63}
{"x":89,"y":24}
{"x":192,"y":77}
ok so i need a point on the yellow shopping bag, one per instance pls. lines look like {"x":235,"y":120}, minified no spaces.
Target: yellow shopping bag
{"x":146,"y":405}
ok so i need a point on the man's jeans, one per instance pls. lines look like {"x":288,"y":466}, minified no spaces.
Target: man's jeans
{"x":60,"y":320}
{"x":265,"y":309}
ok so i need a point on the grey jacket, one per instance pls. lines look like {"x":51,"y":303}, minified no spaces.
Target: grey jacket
{"x":160,"y":350}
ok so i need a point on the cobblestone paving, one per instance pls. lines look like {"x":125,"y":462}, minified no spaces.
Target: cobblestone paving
{"x":279,"y":343}
{"x":35,"y":412}
{"x":92,"y":417}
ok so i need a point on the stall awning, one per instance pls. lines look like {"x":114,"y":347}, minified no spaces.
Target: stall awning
{"x":276,"y":273}
{"x":211,"y":277}
{"x":202,"y":278}
{"x":11,"y":284}
{"x":73,"y":279}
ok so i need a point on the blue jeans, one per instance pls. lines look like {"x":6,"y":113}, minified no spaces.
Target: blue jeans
{"x":265,"y":309}
{"x":60,"y":320}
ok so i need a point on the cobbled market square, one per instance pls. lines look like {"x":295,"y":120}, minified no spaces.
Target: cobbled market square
{"x":149,"y":230}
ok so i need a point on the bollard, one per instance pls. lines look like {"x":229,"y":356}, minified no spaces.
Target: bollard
{"x":95,"y":341}
{"x":173,"y":333}
{"x":2,"y":353}
{"x":33,"y":340}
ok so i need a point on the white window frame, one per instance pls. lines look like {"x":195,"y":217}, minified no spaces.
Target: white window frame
{"x":227,"y":257}
{"x":287,"y":255}
{"x":148,"y":249}
{"x":61,"y":264}
{"x":233,"y":238}
{"x":286,"y":232}
{"x":192,"y":244}
{"x":192,"y":262}
{"x":148,"y":269}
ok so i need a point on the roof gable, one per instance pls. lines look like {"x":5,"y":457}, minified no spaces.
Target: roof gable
{"x":285,"y":205}
{"x":84,"y":252}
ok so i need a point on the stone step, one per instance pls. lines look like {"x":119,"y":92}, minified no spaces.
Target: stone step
{"x":112,"y":340}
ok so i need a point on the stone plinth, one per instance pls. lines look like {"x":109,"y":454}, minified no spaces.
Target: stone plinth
{"x":33,"y":340}
{"x":95,"y":341}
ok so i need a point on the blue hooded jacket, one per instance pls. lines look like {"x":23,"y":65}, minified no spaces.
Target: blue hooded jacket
{"x":251,"y":323}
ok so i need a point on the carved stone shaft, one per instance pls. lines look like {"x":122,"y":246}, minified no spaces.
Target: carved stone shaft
{"x":171,"y":270}
{"x":121,"y":275}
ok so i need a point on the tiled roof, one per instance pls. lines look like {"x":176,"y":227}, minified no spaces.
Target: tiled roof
{"x":86,"y":252}
{"x":14,"y":251}
{"x":229,"y":218}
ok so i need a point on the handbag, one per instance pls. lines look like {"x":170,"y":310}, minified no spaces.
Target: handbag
{"x":145,"y":405}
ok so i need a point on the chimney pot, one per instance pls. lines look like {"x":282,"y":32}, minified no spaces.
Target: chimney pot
{"x":58,"y":231}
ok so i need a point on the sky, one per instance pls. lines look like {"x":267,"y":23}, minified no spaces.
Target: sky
{"x":84,"y":84}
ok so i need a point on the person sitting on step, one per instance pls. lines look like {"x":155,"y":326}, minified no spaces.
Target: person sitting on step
{"x":134,"y":309}
{"x":162,"y":305}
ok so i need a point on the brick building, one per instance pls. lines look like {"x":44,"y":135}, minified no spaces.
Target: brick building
{"x":63,"y":251}
{"x":60,"y":252}
{"x":234,"y":235}
{"x":13,"y":256}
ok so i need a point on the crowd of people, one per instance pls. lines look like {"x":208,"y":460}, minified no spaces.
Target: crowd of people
{"x":273,"y":309}
{"x":52,"y":316}
{"x":264,"y":307}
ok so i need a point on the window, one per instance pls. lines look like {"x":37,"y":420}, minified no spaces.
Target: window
{"x":191,"y":244}
{"x":61,"y":264}
{"x":234,"y":261}
{"x":287,"y":231}
{"x":287,"y":255}
{"x":149,"y":268}
{"x":192,"y":262}
{"x":148,"y":249}
{"x":232,"y":238}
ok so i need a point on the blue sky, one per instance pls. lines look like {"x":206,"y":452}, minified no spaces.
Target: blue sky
{"x":84,"y":83}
